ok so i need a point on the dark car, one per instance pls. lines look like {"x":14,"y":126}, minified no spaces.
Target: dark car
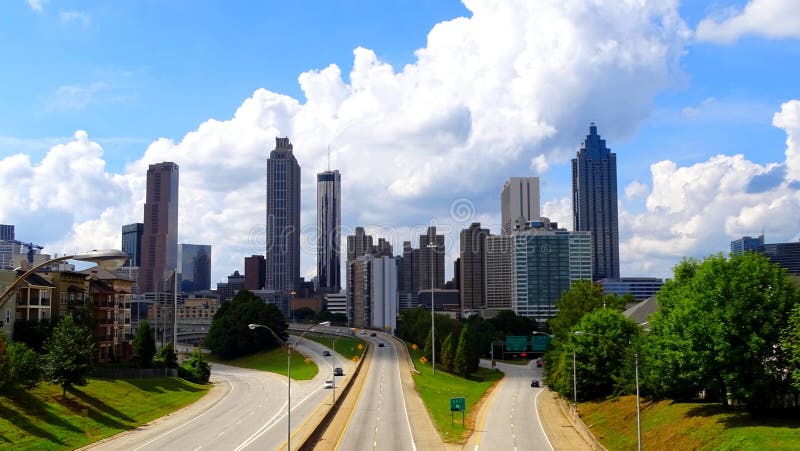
{"x":534,"y":383}
{"x":539,"y":363}
{"x":326,"y":353}
{"x":338,"y":372}
{"x":373,"y":334}
{"x":380,"y":345}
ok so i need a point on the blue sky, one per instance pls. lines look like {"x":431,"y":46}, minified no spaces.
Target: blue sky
{"x":131,"y":72}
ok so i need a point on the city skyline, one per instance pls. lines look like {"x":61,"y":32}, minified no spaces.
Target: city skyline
{"x":700,"y":142}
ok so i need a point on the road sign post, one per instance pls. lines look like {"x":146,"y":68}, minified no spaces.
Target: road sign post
{"x":458,"y":405}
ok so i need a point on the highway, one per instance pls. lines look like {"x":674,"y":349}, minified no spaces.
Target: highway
{"x":251,"y":414}
{"x":509,"y":419}
{"x":379,"y":421}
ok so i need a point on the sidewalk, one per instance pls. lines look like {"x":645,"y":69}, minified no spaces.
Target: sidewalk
{"x":562,"y":435}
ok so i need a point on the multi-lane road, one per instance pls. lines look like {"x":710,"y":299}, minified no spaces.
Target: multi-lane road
{"x":380,"y":421}
{"x":509,"y":418}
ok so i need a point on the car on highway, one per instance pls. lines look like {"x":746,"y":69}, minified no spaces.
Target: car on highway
{"x":534,"y":383}
{"x":326,"y":353}
{"x":380,"y":345}
{"x":363,"y":332}
{"x":338,"y":371}
{"x":329,"y":383}
{"x":539,"y":363}
{"x":373,"y":334}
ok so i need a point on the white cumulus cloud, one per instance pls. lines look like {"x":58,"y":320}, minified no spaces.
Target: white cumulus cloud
{"x":768,"y":18}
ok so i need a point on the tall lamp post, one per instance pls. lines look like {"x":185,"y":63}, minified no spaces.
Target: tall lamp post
{"x":432,"y":246}
{"x":285,"y":345}
{"x":108,"y":259}
{"x":636,"y":366}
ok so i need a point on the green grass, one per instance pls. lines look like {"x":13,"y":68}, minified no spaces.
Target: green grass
{"x":274,"y":361}
{"x":346,"y":346}
{"x":673,"y":425}
{"x":42,"y":419}
{"x":437,"y":389}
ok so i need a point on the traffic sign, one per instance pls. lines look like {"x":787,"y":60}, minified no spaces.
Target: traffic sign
{"x":355,"y":358}
{"x":308,"y":360}
{"x":458,"y":404}
{"x":523,"y":355}
{"x":423,"y":359}
{"x":360,"y":346}
{"x":516,"y":343}
{"x":413,"y":346}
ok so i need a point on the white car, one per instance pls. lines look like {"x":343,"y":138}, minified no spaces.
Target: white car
{"x":329,"y":383}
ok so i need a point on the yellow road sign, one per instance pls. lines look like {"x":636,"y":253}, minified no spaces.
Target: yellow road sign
{"x":413,"y":346}
{"x":355,"y":358}
{"x":308,"y":360}
{"x":423,"y":359}
{"x":360,"y":346}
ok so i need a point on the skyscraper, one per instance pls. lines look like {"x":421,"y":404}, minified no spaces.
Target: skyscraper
{"x":431,"y":256}
{"x":594,"y":202}
{"x":499,"y":274}
{"x":6,"y":232}
{"x":159,"y":255}
{"x":409,"y":284}
{"x":472,"y":266}
{"x":132,"y":243}
{"x":359,"y":244}
{"x":195,"y":267}
{"x":329,"y":235}
{"x":519,"y":199}
{"x":255,"y":268}
{"x":283,"y":218}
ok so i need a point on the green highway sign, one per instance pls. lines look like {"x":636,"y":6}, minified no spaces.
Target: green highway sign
{"x":516,"y":343}
{"x":458,"y":404}
{"x":539,"y":343}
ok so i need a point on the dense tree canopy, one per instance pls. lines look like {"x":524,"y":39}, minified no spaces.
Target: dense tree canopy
{"x":68,"y":361}
{"x":583,"y":297}
{"x":230,"y":337}
{"x":718,"y":331}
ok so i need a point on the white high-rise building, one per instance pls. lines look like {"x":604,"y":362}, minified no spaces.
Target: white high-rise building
{"x":519,"y":199}
{"x":498,"y":272}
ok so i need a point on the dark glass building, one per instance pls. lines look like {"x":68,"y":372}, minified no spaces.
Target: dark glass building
{"x":471,"y":269}
{"x":594,"y":203}
{"x":255,"y":268}
{"x":431,"y":256}
{"x":745,"y":244}
{"x":283,"y":218}
{"x":329,"y":225}
{"x":132,"y":243}
{"x":195,"y":267}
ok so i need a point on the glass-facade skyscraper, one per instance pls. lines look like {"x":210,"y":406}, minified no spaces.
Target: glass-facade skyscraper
{"x":745,"y":244}
{"x":132,"y":243}
{"x":329,"y":235}
{"x":594,"y":202}
{"x":195,"y":267}
{"x":159,"y":258}
{"x":283,"y":218}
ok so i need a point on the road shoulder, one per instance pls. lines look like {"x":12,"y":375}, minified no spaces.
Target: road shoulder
{"x":559,"y":430}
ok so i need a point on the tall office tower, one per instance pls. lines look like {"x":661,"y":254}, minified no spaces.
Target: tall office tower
{"x":594,"y":202}
{"x":519,"y":199}
{"x":283,"y":218}
{"x":409,"y":285}
{"x":787,"y":255}
{"x":745,"y":244}
{"x":498,"y":271}
{"x":195,"y":267}
{"x":372,"y":291}
{"x":383,"y":248}
{"x":359,"y":244}
{"x":546,"y":262}
{"x":159,"y":255}
{"x":132,"y":243}
{"x":472,"y":278}
{"x":255,"y":268}
{"x":431,"y":256}
{"x":6,"y":232}
{"x":329,"y":225}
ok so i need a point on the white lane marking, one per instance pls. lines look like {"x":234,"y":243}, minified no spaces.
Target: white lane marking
{"x":164,"y":434}
{"x":536,"y":408}
{"x":220,"y":434}
{"x":403,"y":395}
{"x":270,"y":421}
{"x":265,"y":428}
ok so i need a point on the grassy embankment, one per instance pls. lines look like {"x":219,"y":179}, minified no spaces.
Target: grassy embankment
{"x":346,"y":346}
{"x":274,"y":361}
{"x":42,"y":419}
{"x":437,"y":389}
{"x":669,"y":425}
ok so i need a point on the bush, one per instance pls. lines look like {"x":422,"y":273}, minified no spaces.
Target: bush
{"x":166,"y":357}
{"x":195,"y":368}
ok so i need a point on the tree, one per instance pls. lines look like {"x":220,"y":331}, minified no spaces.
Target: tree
{"x":507,"y":322}
{"x":427,"y":350}
{"x":719,"y":331}
{"x":790,"y":341}
{"x":166,"y":357}
{"x":195,"y":368}
{"x":68,"y":360}
{"x":25,"y":366}
{"x":461,"y":365}
{"x":230,"y":337}
{"x":144,"y":345}
{"x":448,"y":353}
{"x":33,"y":332}
{"x":582,"y":297}
{"x":304,"y":314}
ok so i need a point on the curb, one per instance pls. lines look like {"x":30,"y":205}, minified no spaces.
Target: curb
{"x":576,"y":422}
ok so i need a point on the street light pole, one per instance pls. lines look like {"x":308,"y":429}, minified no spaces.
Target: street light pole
{"x":285,"y":344}
{"x":333,"y":369}
{"x":431,"y":246}
{"x":574,"y":382}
